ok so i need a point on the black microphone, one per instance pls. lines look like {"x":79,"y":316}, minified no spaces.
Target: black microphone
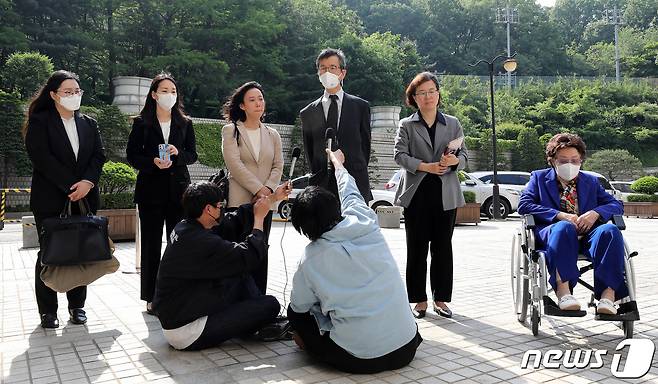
{"x":329,"y":135}
{"x":295,"y":155}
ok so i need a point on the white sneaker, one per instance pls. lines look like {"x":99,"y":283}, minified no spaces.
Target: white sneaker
{"x":569,"y":303}
{"x":606,"y":307}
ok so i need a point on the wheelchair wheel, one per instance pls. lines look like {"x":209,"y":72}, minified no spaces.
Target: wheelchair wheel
{"x":627,"y":326}
{"x":520,"y":285}
{"x":535,"y":320}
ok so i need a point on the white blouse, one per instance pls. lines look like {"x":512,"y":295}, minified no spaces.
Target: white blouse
{"x":72,"y":133}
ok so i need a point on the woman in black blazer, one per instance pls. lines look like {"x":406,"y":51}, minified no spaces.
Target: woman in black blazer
{"x":67,"y":157}
{"x":160,"y":183}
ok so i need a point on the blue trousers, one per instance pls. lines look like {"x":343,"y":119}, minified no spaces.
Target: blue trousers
{"x":603,"y":245}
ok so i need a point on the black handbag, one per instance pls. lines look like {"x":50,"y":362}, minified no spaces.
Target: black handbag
{"x":71,"y":240}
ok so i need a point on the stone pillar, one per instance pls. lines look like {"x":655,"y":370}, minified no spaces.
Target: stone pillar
{"x":130,"y":93}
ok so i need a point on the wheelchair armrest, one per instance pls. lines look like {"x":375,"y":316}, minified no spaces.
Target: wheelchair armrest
{"x":618,"y":221}
{"x":528,"y":221}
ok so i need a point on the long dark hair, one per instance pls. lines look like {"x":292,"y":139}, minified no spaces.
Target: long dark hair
{"x":178,"y":116}
{"x":42,"y":100}
{"x":231,"y":109}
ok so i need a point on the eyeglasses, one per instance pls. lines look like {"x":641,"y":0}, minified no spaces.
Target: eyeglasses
{"x":331,"y":68}
{"x":430,"y":93}
{"x":71,"y":92}
{"x":567,"y":161}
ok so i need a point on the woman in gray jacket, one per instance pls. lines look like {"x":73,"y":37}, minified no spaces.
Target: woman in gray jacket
{"x":429,"y":147}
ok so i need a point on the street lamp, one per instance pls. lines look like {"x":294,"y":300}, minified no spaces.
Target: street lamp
{"x":510,"y":66}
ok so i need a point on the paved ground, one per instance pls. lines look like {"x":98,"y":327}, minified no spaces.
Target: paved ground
{"x":483,"y":343}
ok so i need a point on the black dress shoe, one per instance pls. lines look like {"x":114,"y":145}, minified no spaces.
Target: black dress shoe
{"x":78,"y":316}
{"x":418,"y":313}
{"x":443,"y":312}
{"x":49,"y":320}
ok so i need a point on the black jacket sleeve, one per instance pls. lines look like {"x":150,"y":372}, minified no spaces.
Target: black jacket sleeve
{"x":187,"y":154}
{"x":135,"y":150}
{"x":95,"y":166}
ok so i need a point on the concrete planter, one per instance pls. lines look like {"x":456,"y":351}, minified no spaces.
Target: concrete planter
{"x":384,"y":117}
{"x":641,"y":209}
{"x":122,"y":223}
{"x":130,"y":93}
{"x":469,"y":213}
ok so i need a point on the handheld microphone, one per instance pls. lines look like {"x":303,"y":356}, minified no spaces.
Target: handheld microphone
{"x":295,"y":155}
{"x":329,"y":136}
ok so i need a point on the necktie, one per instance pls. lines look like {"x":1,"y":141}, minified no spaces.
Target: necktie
{"x":332,"y":115}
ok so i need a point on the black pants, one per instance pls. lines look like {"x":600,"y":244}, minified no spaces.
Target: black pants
{"x":427,"y":225}
{"x":260,"y":273}
{"x":324,"y":349}
{"x":46,"y":297}
{"x":151,"y":219}
{"x":247,"y":311}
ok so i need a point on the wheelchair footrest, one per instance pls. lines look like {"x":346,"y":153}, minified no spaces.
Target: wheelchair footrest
{"x":552,"y":309}
{"x":625,"y":312}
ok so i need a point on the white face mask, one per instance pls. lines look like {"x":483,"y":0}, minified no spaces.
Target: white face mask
{"x":166,"y":100}
{"x":567,"y":171}
{"x":71,"y":103}
{"x":329,"y":80}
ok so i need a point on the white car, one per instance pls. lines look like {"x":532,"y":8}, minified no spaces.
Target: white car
{"x":624,"y":189}
{"x":509,"y":197}
{"x":606,"y":185}
{"x":506,"y":179}
{"x":380,"y":198}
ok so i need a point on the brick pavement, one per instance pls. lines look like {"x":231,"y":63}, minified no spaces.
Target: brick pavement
{"x":483,"y":343}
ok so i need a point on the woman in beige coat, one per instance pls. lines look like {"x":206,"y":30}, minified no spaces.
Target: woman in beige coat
{"x":252,"y":153}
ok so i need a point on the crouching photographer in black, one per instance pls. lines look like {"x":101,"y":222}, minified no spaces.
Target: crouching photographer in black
{"x":204,"y":292}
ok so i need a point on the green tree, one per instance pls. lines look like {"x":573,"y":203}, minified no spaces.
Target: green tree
{"x":529,"y":154}
{"x":485,"y":158}
{"x":114,"y":127}
{"x":12,"y":149}
{"x":26,"y":72}
{"x":615,"y":164}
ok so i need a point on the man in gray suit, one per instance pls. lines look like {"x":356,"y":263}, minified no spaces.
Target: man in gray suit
{"x":347,"y":115}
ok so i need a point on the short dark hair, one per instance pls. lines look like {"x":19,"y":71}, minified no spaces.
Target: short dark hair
{"x":315,"y":211}
{"x":197,"y":196}
{"x":328,"y":52}
{"x":415,"y":83}
{"x":565,"y":140}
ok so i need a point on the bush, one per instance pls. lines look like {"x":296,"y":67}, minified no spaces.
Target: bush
{"x":26,"y":72}
{"x":114,"y":127}
{"x":116,"y":178}
{"x":643,"y":198}
{"x":647,"y":185}
{"x":209,"y":144}
{"x":122,"y":200}
{"x":469,"y":196}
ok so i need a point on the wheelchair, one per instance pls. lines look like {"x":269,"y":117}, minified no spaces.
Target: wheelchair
{"x":530,"y":287}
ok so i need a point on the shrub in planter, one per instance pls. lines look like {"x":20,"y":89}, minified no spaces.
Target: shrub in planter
{"x":116,"y":184}
{"x":647,"y":185}
{"x":469,"y":196}
{"x":643,"y":198}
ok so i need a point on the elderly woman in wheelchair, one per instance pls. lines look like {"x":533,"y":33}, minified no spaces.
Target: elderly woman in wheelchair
{"x":570,"y":211}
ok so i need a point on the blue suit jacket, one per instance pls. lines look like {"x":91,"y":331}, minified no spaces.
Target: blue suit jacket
{"x":541,"y":198}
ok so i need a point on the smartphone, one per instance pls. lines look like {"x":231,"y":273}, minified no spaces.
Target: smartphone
{"x":163,"y":150}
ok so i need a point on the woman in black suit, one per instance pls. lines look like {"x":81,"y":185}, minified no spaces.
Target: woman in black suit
{"x":160,"y":182}
{"x":67,"y":157}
